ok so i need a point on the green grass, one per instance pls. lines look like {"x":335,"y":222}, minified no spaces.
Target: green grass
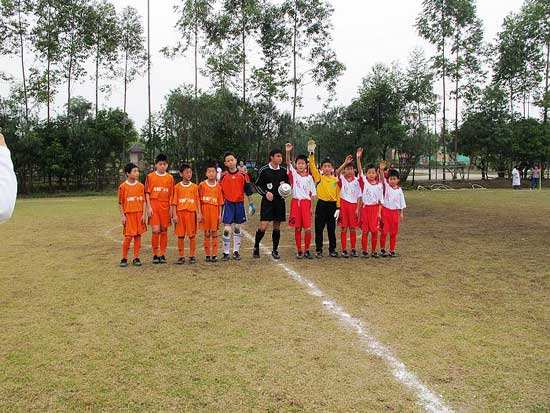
{"x":466,"y":307}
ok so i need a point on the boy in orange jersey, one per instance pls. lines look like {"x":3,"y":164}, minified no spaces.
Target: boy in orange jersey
{"x":185,"y":212}
{"x":211,"y":199}
{"x":159,"y":187}
{"x":131,"y":202}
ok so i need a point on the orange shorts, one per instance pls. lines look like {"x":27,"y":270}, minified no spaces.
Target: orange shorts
{"x":161,"y":213}
{"x":210,"y":217}
{"x":187,"y":224}
{"x":134,"y":225}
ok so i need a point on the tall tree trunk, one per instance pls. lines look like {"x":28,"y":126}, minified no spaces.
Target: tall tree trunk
{"x":546,"y":91}
{"x":97,"y":79}
{"x":149,"y":64}
{"x":69,"y":74}
{"x":511,"y":99}
{"x":457,"y":81}
{"x":22,"y":52}
{"x":443,"y":131}
{"x":294,"y":75}
{"x":243,"y":34}
{"x":125,"y":78}
{"x":48,"y":68}
{"x":196,"y":57}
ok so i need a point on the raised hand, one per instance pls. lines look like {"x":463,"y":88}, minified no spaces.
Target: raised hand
{"x":349,"y":159}
{"x":289,"y":147}
{"x":359,"y":153}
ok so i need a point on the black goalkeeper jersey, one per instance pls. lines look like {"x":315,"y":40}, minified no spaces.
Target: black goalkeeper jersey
{"x":269,"y":180}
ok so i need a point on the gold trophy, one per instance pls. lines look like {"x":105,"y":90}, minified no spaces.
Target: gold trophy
{"x":311,"y":145}
{"x":384,"y":164}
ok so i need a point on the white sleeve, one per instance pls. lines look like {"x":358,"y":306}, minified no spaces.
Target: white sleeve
{"x":8,"y":185}
{"x":312,"y":186}
{"x":402,"y":200}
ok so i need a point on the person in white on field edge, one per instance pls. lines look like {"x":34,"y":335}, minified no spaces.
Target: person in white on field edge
{"x":516,"y":179}
{"x":8,"y":182}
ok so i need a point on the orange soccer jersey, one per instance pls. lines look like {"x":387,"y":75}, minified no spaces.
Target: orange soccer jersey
{"x":160,"y":189}
{"x":131,"y":197}
{"x":211,"y":199}
{"x":187,"y":202}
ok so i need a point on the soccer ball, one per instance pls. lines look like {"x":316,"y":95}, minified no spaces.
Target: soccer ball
{"x":285,"y":190}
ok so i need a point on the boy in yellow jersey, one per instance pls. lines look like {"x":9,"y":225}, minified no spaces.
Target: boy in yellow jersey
{"x":327,"y":210}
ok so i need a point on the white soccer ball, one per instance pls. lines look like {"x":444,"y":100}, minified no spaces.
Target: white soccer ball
{"x":285,"y":190}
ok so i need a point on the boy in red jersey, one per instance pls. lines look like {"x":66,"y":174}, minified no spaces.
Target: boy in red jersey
{"x":159,"y":188}
{"x":131,"y":202}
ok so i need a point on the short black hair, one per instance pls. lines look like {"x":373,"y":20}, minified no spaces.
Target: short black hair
{"x":128,"y":168}
{"x":161,"y":158}
{"x":184,"y":166}
{"x":211,"y":164}
{"x":301,"y":158}
{"x":371,"y":166}
{"x":393,"y":172}
{"x":225,"y":155}
{"x":327,"y":160}
{"x":274,"y":152}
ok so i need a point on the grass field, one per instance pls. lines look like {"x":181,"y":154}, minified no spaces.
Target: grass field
{"x":466,"y":308}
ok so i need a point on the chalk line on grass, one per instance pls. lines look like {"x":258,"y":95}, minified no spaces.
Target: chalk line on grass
{"x":432,"y":402}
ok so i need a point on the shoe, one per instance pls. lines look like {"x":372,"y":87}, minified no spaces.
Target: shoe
{"x":375,"y":255}
{"x":180,"y":261}
{"x":256,"y":253}
{"x":365,"y":254}
{"x":275,"y":255}
{"x":319,"y":254}
{"x":214,"y":258}
{"x":236,"y":256}
{"x":334,"y":254}
{"x":299,"y":255}
{"x":393,"y":254}
{"x":226,"y":257}
{"x":156,"y":260}
{"x":308,"y":256}
{"x":383,"y":253}
{"x":354,"y":254}
{"x":123,"y":263}
{"x":344,"y":254}
{"x":162,"y":259}
{"x":192,"y":260}
{"x":136,"y":262}
{"x":208,"y":259}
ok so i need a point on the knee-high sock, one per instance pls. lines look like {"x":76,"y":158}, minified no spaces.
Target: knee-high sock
{"x":352,"y":238}
{"x":307,"y":239}
{"x":192,"y":246}
{"x":383,"y":236}
{"x":344,"y":239}
{"x":259,"y":235}
{"x":214,"y":240}
{"x":126,"y":246}
{"x":373,"y":241}
{"x":155,"y":238}
{"x":137,"y":245}
{"x":365,"y":241}
{"x":163,"y":242}
{"x":276,"y":237}
{"x":181,"y":246}
{"x":226,"y":241}
{"x":237,"y":239}
{"x":207,"y":243}
{"x":393,"y":242}
{"x":298,"y":239}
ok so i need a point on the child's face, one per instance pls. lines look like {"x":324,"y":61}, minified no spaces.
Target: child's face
{"x":371,"y":174}
{"x":161,"y":167}
{"x":134,"y":174}
{"x":277,"y":159}
{"x":301,"y":165}
{"x":393,"y":181}
{"x":211,"y":173}
{"x":187,"y":174}
{"x":349,"y":171}
{"x":230,"y":162}
{"x":327,"y":168}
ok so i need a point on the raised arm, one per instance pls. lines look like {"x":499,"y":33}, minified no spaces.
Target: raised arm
{"x":347,"y":161}
{"x":359,"y":155}
{"x":313,"y":168}
{"x":288,"y":148}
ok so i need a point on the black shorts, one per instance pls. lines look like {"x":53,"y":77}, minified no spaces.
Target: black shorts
{"x":273,"y":210}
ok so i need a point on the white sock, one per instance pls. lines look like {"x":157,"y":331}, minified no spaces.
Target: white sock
{"x":226,"y":241}
{"x":237,"y":236}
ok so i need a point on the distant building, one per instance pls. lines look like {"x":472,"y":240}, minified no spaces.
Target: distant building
{"x":136,"y":155}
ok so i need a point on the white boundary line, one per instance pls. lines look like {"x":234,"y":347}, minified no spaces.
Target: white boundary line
{"x":431,"y":401}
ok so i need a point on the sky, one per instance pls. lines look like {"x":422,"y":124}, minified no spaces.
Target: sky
{"x":366,"y":32}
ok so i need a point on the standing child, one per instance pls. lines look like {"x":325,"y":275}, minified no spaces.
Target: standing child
{"x":185,"y":213}
{"x":516,"y":178}
{"x":350,"y":206}
{"x":234,"y":186}
{"x":159,"y":188}
{"x":131,"y":202}
{"x":392,"y":212}
{"x":372,"y":201}
{"x":211,"y":200}
{"x":301,"y":206}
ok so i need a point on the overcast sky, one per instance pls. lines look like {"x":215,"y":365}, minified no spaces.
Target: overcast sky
{"x":365,"y":32}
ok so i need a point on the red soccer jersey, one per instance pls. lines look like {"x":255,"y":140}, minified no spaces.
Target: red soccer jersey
{"x":234,"y":185}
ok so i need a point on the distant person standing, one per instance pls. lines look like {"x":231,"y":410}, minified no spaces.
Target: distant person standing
{"x":535,"y":177}
{"x":8,"y":182}
{"x":516,"y":178}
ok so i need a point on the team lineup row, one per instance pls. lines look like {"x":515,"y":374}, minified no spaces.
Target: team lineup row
{"x":348,"y":197}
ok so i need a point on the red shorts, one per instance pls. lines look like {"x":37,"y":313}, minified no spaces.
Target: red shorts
{"x":134,"y":225}
{"x":369,"y":218}
{"x":300,"y":213}
{"x":161,"y":214}
{"x":348,"y":217}
{"x":210,"y":217}
{"x":390,"y":221}
{"x":187,"y":224}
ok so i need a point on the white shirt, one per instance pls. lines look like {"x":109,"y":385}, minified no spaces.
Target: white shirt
{"x":8,"y":185}
{"x":218,"y":173}
{"x":350,"y":191}
{"x":303,"y":187}
{"x":516,"y":179}
{"x":394,"y":198}
{"x":372,"y":194}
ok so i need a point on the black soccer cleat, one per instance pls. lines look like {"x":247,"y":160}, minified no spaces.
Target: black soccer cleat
{"x":208,"y":259}
{"x":334,"y":254}
{"x":383,"y":253}
{"x":299,"y":256}
{"x":256,"y":253}
{"x":226,"y":257}
{"x":354,"y":254}
{"x":214,"y":258}
{"x":319,"y":254}
{"x":192,"y":260}
{"x":393,"y":254}
{"x":364,"y":254}
{"x":236,"y":256}
{"x":180,"y":261}
{"x":345,"y":254}
{"x":162,"y":259}
{"x":136,"y":262}
{"x":275,"y":255}
{"x":375,"y":255}
{"x":123,"y":263}
{"x":156,"y":260}
{"x":308,"y":256}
